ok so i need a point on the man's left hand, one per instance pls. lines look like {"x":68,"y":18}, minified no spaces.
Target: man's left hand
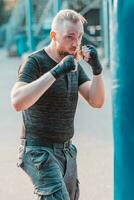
{"x":90,"y":55}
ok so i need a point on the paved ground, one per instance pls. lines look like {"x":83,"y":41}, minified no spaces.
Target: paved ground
{"x":93,"y":137}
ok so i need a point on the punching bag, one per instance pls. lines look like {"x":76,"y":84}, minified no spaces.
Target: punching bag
{"x":123,"y":98}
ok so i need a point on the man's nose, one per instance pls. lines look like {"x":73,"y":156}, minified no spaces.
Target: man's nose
{"x":76,"y":42}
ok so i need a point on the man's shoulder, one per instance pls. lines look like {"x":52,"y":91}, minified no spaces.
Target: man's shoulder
{"x":38,"y":55}
{"x":41,"y":59}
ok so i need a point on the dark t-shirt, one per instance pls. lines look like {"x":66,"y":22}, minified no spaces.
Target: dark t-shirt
{"x":52,"y":116}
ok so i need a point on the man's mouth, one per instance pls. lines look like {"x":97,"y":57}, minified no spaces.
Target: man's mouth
{"x":73,"y":49}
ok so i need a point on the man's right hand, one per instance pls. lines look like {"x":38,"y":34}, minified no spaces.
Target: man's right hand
{"x":67,"y":65}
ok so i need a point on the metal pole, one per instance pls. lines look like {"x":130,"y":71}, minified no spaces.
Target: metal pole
{"x":28,"y":5}
{"x":57,"y":5}
{"x":123,"y":100}
{"x":110,"y":30}
{"x":105,"y":21}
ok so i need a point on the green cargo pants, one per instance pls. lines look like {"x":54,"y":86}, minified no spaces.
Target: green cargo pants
{"x":53,"y":171}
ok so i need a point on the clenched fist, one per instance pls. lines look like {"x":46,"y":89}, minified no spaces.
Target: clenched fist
{"x":67,"y":65}
{"x":90,"y":55}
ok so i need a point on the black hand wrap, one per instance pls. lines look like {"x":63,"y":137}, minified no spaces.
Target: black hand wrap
{"x":64,"y":67}
{"x":94,"y":60}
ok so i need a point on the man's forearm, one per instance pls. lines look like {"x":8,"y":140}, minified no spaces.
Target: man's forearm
{"x":26,"y":95}
{"x":97,"y":91}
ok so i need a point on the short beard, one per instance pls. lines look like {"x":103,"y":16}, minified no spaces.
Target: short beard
{"x":65,"y":53}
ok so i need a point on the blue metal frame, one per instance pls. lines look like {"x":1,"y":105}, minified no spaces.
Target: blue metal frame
{"x":29,"y":30}
{"x":57,"y":5}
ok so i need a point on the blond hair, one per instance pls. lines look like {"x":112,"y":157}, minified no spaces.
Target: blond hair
{"x":69,"y":15}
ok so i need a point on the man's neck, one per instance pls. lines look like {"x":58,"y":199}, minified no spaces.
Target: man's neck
{"x":52,"y":52}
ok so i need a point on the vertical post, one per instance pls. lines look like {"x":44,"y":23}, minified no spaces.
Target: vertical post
{"x":28,"y":6}
{"x":110,"y":3}
{"x":105,"y":31}
{"x":123,"y":99}
{"x":57,"y":6}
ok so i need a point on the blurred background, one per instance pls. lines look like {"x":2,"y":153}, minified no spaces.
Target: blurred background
{"x":25,"y":25}
{"x":24,"y":28}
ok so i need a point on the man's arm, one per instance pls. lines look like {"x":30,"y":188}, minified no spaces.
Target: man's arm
{"x":93,"y":91}
{"x":24,"y":95}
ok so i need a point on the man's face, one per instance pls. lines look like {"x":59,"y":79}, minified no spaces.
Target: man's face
{"x":68,"y":38}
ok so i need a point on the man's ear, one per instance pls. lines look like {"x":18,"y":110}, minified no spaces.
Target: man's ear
{"x":52,"y":35}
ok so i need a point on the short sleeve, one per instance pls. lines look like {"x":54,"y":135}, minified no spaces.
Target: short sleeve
{"x":29,"y":70}
{"x":82,"y":76}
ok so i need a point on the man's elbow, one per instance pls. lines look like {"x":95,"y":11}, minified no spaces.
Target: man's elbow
{"x":16,"y":105}
{"x":96,"y":104}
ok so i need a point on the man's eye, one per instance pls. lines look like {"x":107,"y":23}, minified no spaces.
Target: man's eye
{"x":69,"y":37}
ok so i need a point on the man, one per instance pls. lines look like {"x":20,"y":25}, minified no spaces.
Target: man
{"x":47,"y":93}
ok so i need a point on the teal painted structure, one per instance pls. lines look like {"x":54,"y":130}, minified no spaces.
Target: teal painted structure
{"x":28,"y":41}
{"x":29,"y":28}
{"x":123,"y":99}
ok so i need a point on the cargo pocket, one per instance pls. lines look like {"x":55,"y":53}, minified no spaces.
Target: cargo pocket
{"x":39,"y":158}
{"x":60,"y":194}
{"x":44,"y":171}
{"x":21,"y":156}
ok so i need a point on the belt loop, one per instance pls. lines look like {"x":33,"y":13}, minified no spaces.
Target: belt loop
{"x":66,"y":145}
